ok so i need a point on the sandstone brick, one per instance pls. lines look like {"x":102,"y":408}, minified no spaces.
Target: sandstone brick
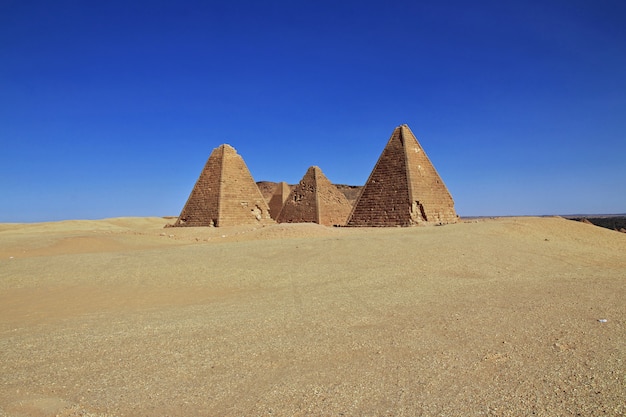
{"x":315,"y":200}
{"x":281,"y":192}
{"x":225,"y":194}
{"x":404,"y":189}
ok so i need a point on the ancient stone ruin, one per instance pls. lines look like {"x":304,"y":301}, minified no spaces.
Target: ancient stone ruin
{"x":404,"y":189}
{"x":281,"y":192}
{"x":225,"y":194}
{"x":315,"y":200}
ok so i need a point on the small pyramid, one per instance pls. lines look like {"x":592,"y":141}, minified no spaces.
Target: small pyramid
{"x":225,"y":194}
{"x":404,"y":189}
{"x":281,"y":192}
{"x":315,"y":200}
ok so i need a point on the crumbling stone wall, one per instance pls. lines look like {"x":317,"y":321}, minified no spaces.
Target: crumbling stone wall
{"x":300,"y":206}
{"x":267,"y":189}
{"x":315,"y":200}
{"x":333,"y":206}
{"x":281,"y":193}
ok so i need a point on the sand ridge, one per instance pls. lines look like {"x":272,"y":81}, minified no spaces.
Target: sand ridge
{"x":485,"y":317}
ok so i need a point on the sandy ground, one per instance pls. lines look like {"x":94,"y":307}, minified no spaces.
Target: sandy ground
{"x":498,"y":317}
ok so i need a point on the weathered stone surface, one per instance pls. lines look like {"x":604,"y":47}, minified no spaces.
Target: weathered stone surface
{"x":351,"y":192}
{"x":315,"y":200}
{"x":404,"y":189}
{"x":225,"y":194}
{"x":281,"y":192}
{"x":267,"y":189}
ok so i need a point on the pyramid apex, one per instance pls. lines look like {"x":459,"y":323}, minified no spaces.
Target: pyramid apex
{"x":226,"y":146}
{"x":315,"y":171}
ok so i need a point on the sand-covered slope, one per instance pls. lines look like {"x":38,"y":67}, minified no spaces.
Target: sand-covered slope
{"x":490,"y":317}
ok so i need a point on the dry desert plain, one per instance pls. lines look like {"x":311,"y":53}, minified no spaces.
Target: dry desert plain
{"x":496,"y":317}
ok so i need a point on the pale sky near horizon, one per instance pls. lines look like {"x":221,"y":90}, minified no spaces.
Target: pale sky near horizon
{"x":112,"y":108}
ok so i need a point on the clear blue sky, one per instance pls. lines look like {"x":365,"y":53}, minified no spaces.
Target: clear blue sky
{"x":112,"y":108}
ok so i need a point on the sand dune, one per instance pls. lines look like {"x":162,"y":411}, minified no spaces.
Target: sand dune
{"x":486,"y":317}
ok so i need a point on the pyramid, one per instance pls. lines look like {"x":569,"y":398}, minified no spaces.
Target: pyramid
{"x":315,"y":200}
{"x":404,"y":189}
{"x":225,"y":194}
{"x":278,"y":198}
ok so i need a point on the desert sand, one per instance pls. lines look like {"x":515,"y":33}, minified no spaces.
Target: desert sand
{"x":494,"y":317}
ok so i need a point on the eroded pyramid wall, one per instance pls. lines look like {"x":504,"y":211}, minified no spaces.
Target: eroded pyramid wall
{"x":384,"y":200}
{"x":430,"y":198}
{"x":315,"y":200}
{"x":225,"y":194}
{"x":280,"y":195}
{"x":403,"y":189}
{"x":333,"y":206}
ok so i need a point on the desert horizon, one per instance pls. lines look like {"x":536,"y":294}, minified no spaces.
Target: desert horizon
{"x":169,"y":217}
{"x":493,"y":316}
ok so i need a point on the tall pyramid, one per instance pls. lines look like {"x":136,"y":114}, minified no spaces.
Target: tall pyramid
{"x":225,"y":194}
{"x":278,"y":198}
{"x":404,"y":189}
{"x":315,"y":200}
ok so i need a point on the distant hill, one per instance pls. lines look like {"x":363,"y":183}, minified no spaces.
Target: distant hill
{"x":613,"y":222}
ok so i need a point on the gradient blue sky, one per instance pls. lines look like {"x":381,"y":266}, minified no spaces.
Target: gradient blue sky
{"x":112,"y":108}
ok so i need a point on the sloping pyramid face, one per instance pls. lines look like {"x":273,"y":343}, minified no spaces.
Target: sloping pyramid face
{"x":430,"y":199}
{"x":315,"y":200}
{"x":404,"y":189}
{"x":225,"y":194}
{"x":278,"y":198}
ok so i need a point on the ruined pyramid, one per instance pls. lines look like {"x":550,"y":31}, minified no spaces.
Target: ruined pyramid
{"x":315,"y":200}
{"x":278,"y":198}
{"x":404,"y":189}
{"x":225,"y":194}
